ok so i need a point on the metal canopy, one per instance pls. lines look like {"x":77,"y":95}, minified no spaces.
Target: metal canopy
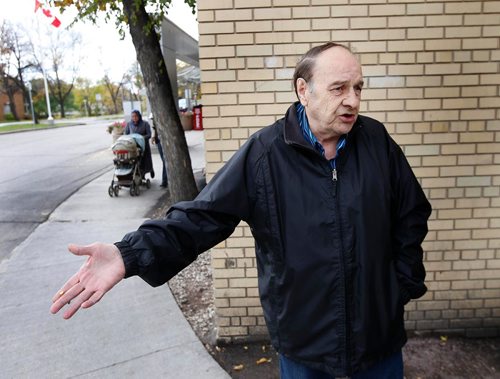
{"x":182,"y":44}
{"x":177,"y":44}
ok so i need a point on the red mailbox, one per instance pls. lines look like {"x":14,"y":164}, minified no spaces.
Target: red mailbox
{"x":197,"y":117}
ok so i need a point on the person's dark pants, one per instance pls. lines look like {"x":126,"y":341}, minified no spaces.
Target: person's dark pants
{"x":164,"y":178}
{"x":390,"y":368}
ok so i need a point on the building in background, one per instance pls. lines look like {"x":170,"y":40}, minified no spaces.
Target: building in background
{"x":432,"y":76}
{"x":5,"y":108}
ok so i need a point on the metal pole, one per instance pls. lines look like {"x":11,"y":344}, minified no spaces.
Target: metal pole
{"x":31,"y":103}
{"x":50,"y":119}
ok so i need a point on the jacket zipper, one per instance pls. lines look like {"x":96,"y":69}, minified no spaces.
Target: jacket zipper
{"x":344,"y":269}
{"x":340,"y":146}
{"x":334,"y":180}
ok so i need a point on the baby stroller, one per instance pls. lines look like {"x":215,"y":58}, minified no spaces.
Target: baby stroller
{"x":128,"y":150}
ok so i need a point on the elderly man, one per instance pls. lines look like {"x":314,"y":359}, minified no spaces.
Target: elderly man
{"x":338,"y":219}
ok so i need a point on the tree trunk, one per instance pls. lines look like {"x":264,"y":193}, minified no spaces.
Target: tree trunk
{"x":63,"y":112}
{"x":114,"y":99}
{"x":59,"y":96}
{"x":181,"y":180}
{"x":115,"y":107}
{"x":11,"y":91}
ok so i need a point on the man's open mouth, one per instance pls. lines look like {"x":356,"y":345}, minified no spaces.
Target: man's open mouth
{"x":348,"y":117}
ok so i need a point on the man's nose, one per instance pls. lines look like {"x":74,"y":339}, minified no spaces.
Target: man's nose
{"x":351,"y":99}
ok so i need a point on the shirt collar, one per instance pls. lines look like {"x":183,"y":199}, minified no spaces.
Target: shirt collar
{"x":308,"y":134}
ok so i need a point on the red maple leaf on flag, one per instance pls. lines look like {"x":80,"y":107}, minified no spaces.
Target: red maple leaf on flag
{"x":55,"y":21}
{"x":46,"y":12}
{"x":37,"y":5}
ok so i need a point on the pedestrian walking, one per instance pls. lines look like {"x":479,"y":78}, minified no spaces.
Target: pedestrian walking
{"x":142,"y":127}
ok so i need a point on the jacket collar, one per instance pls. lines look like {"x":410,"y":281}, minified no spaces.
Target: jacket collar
{"x":292,"y":133}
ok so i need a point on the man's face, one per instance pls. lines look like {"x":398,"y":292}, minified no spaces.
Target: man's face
{"x":332,"y":97}
{"x":134,"y":117}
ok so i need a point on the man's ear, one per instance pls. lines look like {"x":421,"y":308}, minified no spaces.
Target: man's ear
{"x":301,"y":86}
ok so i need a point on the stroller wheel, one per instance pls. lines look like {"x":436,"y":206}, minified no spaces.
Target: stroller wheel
{"x":110,"y":191}
{"x":116,"y":190}
{"x":148,"y":183}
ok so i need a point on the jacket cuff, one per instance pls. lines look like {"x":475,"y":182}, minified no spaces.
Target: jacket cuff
{"x":129,"y":258}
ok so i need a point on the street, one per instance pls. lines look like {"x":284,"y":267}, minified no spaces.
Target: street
{"x":40,"y":169}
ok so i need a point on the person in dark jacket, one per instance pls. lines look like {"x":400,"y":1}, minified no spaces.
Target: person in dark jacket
{"x":155,"y":140}
{"x":338,"y":219}
{"x":139,"y":126}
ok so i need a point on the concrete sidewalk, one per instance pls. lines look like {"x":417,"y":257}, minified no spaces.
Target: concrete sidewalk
{"x":135,"y":331}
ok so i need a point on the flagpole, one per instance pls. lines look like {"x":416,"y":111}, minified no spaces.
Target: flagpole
{"x":50,"y":119}
{"x":54,"y":22}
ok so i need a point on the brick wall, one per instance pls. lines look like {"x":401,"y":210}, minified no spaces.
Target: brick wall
{"x":19,"y":102}
{"x":432,"y":74}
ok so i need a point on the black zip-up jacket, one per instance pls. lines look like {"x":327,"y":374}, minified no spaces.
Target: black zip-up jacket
{"x":337,"y":259}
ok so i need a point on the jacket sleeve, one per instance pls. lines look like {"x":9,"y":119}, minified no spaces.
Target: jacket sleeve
{"x":161,"y":248}
{"x":411,"y":211}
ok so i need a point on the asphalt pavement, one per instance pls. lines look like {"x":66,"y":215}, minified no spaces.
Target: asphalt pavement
{"x":42,"y":168}
{"x":135,"y":331}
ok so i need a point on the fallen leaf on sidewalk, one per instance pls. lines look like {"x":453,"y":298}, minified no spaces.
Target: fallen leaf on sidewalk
{"x":263,"y":360}
{"x":238,"y":367}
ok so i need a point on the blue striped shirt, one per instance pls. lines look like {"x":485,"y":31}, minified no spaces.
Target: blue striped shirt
{"x":311,"y":138}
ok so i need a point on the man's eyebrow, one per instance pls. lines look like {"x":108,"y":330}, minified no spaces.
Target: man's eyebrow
{"x":361,"y":83}
{"x":338,"y":83}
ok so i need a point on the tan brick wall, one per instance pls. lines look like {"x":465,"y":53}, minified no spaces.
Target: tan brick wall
{"x":433,"y":77}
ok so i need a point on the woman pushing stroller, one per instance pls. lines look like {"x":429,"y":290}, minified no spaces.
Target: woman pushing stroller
{"x":139,"y":126}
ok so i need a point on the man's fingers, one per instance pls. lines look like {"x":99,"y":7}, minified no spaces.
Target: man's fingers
{"x":66,"y":297}
{"x":94,"y":299}
{"x":76,"y":303}
{"x":70,"y":283}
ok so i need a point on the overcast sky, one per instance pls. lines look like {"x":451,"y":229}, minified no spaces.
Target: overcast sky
{"x":102,"y":48}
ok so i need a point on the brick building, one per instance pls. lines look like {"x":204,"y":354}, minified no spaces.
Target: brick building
{"x":5,"y":108}
{"x":432,"y":75}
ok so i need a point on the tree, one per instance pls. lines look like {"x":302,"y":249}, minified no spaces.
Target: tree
{"x":56,"y":56}
{"x":62,"y":46}
{"x":13,"y":63}
{"x":113,"y":90}
{"x":142,"y":27}
{"x":83,"y":95}
{"x":39,"y":101}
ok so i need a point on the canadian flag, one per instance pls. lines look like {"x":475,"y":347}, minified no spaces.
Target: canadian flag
{"x":54,"y":20}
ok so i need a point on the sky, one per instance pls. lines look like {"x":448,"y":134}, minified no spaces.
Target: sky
{"x":102,"y":50}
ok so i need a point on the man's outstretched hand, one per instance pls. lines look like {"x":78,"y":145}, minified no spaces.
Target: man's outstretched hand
{"x":103,"y":269}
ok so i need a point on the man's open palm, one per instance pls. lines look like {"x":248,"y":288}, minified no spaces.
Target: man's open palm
{"x":103,"y":269}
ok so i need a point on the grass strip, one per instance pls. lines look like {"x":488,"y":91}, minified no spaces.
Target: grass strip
{"x":30,"y":126}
